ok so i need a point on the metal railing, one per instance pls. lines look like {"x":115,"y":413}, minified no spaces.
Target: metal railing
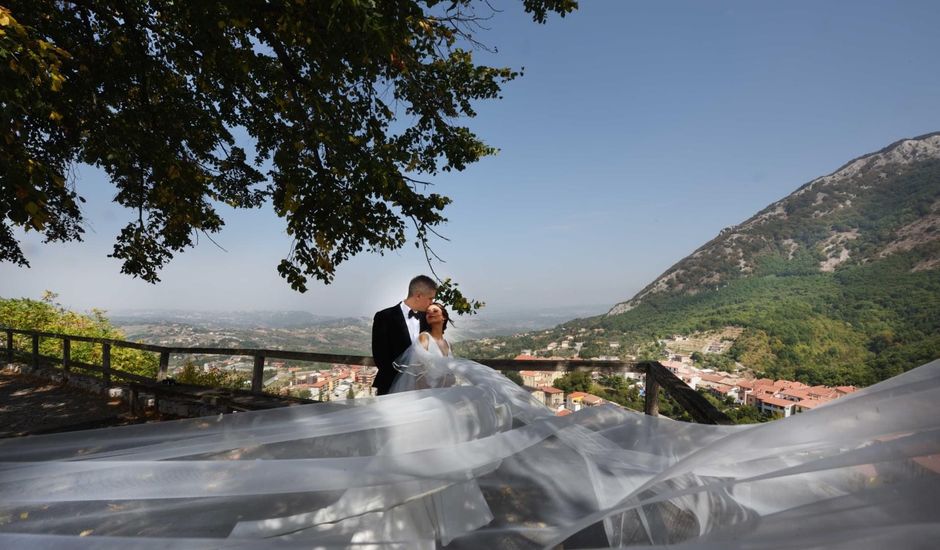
{"x":656,"y":375}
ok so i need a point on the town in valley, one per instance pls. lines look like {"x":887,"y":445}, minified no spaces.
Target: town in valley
{"x":701,"y":360}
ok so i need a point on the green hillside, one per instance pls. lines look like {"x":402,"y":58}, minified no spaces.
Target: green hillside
{"x":857,"y":325}
{"x":47,"y":315}
{"x":837,"y":283}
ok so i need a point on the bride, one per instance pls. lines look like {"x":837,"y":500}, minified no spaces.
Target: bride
{"x":433,"y":325}
{"x":472,"y":460}
{"x":418,"y":367}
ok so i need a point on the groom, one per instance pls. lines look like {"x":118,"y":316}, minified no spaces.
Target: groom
{"x":396,"y":328}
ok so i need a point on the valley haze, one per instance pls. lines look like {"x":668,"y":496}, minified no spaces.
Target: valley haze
{"x":150,"y":325}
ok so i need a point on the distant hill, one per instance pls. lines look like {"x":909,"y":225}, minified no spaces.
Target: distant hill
{"x":304,"y":331}
{"x":839,"y":282}
{"x":493,"y":323}
{"x":226,"y":319}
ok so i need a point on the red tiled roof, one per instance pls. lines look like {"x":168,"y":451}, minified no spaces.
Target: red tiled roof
{"x":798,"y":394}
{"x":550,"y":389}
{"x":563,"y":412}
{"x":789,"y":385}
{"x":586,"y":397}
{"x":524,"y":357}
{"x":776,"y":401}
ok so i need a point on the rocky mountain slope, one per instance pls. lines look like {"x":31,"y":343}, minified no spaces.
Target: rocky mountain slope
{"x":878,"y":205}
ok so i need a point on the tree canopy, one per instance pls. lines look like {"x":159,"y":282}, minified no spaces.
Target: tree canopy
{"x":575,"y":381}
{"x":350,"y":106}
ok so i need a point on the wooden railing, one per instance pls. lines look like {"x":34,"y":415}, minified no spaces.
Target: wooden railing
{"x":657,"y":376}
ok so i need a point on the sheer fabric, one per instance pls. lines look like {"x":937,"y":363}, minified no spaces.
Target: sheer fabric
{"x":421,"y":369}
{"x":471,"y":460}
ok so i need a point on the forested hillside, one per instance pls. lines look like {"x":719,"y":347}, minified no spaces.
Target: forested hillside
{"x":837,"y":283}
{"x":857,"y":325}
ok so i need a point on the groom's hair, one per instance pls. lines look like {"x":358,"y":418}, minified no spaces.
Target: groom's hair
{"x":422,"y":284}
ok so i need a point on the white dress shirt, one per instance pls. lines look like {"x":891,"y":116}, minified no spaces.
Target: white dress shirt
{"x":414,"y":326}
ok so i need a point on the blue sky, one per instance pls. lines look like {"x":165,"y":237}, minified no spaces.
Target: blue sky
{"x":639,"y":130}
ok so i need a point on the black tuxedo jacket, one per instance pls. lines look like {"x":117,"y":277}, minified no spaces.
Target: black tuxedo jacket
{"x":390,"y":338}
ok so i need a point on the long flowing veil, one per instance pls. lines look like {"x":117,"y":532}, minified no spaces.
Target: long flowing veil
{"x":466,"y":459}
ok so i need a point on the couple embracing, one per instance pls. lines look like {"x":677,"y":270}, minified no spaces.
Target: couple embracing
{"x":417,"y":322}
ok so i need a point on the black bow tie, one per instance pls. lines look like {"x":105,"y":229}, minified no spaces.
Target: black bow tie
{"x":413,"y":313}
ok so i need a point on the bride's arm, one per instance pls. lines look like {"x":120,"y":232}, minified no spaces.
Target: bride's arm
{"x":424,"y":339}
{"x":450,"y":348}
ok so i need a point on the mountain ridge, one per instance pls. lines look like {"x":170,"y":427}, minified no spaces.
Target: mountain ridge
{"x":832,"y":233}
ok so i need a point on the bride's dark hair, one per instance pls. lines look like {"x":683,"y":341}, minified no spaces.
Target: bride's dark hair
{"x":423,"y":321}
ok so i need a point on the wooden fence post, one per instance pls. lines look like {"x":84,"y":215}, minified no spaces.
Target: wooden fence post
{"x":257,"y":374}
{"x":106,"y":363}
{"x":164,"y":365}
{"x":651,"y":399}
{"x":35,"y":350}
{"x":66,"y":354}
{"x":9,"y":345}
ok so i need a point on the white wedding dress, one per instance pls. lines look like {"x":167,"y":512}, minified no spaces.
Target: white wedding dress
{"x":473,"y":461}
{"x":435,"y":349}
{"x":421,"y":369}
